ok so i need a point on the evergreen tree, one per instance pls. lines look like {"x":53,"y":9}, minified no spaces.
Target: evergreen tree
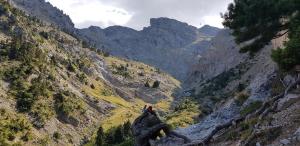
{"x":147,"y":84}
{"x":256,"y":22}
{"x":156,"y":84}
{"x":119,"y":135}
{"x":100,"y":137}
{"x":127,"y":129}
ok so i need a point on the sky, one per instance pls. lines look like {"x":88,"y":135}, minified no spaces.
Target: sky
{"x":137,"y":13}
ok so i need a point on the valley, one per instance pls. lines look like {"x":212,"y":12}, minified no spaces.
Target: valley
{"x":60,"y":85}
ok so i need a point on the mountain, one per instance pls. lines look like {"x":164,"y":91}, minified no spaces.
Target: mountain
{"x":167,"y":44}
{"x":209,"y":30}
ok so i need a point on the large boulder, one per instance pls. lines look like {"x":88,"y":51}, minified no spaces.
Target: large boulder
{"x":147,"y":127}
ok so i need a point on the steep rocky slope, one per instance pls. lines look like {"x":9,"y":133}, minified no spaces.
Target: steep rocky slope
{"x":53,"y":91}
{"x":46,"y":12}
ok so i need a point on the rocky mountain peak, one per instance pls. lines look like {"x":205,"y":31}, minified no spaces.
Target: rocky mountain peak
{"x":167,"y":23}
{"x":209,"y":30}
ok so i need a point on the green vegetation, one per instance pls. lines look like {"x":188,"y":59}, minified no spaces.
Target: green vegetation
{"x":248,"y":21}
{"x":184,"y":113}
{"x":251,"y":108}
{"x":68,"y":104}
{"x":121,"y":70}
{"x":277,"y":86}
{"x":269,"y":135}
{"x":13,"y":127}
{"x":214,"y":85}
{"x":241,"y":97}
{"x":57,"y":135}
{"x":116,"y":136}
{"x":289,"y":56}
{"x":243,"y":131}
{"x":45,"y":35}
{"x":156,"y":84}
{"x":100,"y":139}
{"x":147,"y":84}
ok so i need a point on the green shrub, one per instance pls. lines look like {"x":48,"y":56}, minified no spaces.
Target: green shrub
{"x":27,"y":97}
{"x":121,"y":70}
{"x":45,"y":35}
{"x":82,"y":77}
{"x":57,"y":135}
{"x":106,"y":92}
{"x":251,"y":108}
{"x":100,"y":139}
{"x":12,"y":126}
{"x":92,"y":86}
{"x":117,"y":136}
{"x":42,"y":111}
{"x":287,"y":58}
{"x":241,"y":97}
{"x":231,"y":135}
{"x":147,"y":84}
{"x":156,"y":84}
{"x":71,"y":67}
{"x":68,"y":104}
{"x":25,"y":101}
{"x":186,"y":104}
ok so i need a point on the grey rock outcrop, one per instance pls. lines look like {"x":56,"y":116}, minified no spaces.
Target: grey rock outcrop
{"x":46,"y":12}
{"x":288,"y":100}
{"x":222,"y":55}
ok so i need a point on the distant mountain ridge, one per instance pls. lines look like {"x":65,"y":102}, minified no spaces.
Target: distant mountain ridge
{"x":168,"y":44}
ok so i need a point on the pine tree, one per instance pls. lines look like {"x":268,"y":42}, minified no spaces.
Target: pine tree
{"x":256,"y":22}
{"x":127,"y":129}
{"x":156,"y":84}
{"x":119,"y":135}
{"x":100,"y":137}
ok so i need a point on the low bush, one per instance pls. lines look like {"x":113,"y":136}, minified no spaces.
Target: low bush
{"x":251,"y":108}
{"x":57,"y":135}
{"x":147,"y":84}
{"x":121,"y":70}
{"x":68,"y":104}
{"x":13,"y":127}
{"x":156,"y":84}
{"x":241,"y":97}
{"x":117,"y":136}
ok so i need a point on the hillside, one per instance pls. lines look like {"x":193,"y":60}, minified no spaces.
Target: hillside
{"x":56,"y":92}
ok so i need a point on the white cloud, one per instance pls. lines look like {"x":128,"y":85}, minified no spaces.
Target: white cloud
{"x":137,"y":13}
{"x":214,"y":20}
{"x":93,"y":11}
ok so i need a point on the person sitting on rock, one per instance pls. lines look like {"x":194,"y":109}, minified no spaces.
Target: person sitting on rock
{"x":151,"y":111}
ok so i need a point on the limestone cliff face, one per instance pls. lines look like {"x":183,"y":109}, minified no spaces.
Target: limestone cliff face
{"x":222,"y":55}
